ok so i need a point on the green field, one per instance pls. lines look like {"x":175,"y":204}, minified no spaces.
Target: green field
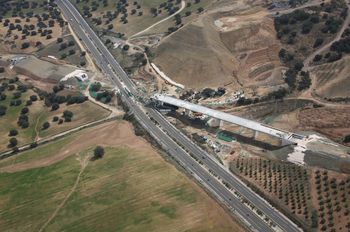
{"x":125,"y":191}
{"x":53,"y":49}
{"x":38,"y":114}
{"x":9,"y":121}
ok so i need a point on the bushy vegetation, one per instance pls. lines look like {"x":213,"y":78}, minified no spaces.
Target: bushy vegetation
{"x":305,"y":30}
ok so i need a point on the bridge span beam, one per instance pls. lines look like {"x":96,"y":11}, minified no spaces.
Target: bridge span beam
{"x":285,"y":136}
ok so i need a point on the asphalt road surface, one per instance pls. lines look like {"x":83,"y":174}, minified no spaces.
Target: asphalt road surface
{"x":170,"y":138}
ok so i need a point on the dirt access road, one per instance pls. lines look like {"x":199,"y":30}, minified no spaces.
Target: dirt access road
{"x":307,"y":61}
{"x":326,"y":46}
{"x":287,"y":11}
{"x":183,"y":4}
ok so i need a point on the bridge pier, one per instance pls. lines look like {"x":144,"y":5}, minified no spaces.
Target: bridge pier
{"x":256,"y":133}
{"x":214,"y":122}
{"x":285,"y":142}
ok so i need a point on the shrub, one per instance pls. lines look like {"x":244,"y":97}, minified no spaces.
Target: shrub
{"x":33,"y":145}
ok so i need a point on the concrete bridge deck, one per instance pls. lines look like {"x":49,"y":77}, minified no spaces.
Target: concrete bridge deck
{"x":285,"y":136}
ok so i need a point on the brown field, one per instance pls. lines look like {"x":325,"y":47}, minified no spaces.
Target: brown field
{"x":131,"y":188}
{"x":330,"y":196}
{"x":332,"y":122}
{"x":317,"y":198}
{"x":284,"y":184}
{"x":332,"y":79}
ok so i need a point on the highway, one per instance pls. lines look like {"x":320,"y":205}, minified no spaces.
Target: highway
{"x":170,"y":138}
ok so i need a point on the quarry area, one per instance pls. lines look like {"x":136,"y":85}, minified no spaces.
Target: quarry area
{"x":280,"y":68}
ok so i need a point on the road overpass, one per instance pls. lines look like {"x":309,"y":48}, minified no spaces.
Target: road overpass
{"x":285,"y":136}
{"x":175,"y":143}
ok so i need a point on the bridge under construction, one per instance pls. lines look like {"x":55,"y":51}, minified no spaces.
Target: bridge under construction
{"x":285,"y":136}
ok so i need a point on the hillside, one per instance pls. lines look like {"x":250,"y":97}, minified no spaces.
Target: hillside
{"x":210,"y":51}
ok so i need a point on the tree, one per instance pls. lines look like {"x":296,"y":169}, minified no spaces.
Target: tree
{"x":25,"y":110}
{"x":98,"y":152}
{"x":317,"y":58}
{"x":68,"y":115}
{"x":25,"y":45}
{"x":153,"y":11}
{"x":13,"y":132}
{"x":71,"y":43}
{"x":2,"y":97}
{"x":55,"y":106}
{"x":46,"y":125}
{"x":95,"y":87}
{"x":33,"y":98}
{"x":305,"y":82}
{"x":63,"y":46}
{"x":318,"y":42}
{"x":200,"y":9}
{"x":13,"y":142}
{"x":126,"y":47}
{"x":2,"y":69}
{"x":298,"y":65}
{"x":59,"y":40}
{"x":55,"y":119}
{"x":2,"y":110}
